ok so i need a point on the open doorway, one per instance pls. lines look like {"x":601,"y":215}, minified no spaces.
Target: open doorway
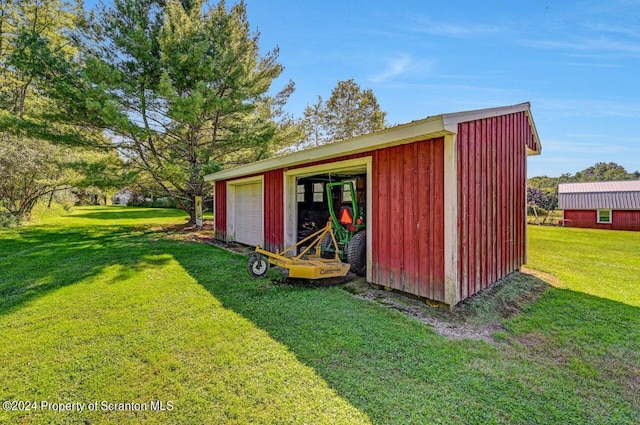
{"x":340,"y":198}
{"x":307,"y":203}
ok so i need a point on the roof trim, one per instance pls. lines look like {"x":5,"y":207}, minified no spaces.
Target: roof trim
{"x":424,"y":129}
{"x":452,"y":120}
{"x":600,"y":187}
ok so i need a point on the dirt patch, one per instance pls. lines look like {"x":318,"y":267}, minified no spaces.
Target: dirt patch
{"x":537,"y":345}
{"x":479,"y":317}
{"x":204,"y":234}
{"x":187,"y":231}
{"x":236,"y":248}
{"x":453,"y":328}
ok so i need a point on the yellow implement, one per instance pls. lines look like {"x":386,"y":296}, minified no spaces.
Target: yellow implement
{"x":308,"y":264}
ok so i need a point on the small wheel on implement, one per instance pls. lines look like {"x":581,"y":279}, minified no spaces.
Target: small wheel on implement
{"x":258,"y":265}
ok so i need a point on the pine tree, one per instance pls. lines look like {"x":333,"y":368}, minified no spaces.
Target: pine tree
{"x":190,"y":90}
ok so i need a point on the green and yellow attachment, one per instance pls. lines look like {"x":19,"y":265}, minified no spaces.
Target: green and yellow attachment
{"x":306,"y":264}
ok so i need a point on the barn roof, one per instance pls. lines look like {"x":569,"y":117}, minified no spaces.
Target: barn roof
{"x":427,"y":128}
{"x":621,"y":195}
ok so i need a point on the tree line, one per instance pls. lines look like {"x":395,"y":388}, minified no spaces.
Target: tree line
{"x":146,"y":94}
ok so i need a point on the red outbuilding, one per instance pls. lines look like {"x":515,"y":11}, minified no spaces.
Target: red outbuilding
{"x":444,"y":199}
{"x":601,"y":205}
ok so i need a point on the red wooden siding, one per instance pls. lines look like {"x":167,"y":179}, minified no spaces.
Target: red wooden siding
{"x":220,"y":213}
{"x":530,"y":139}
{"x":408,"y":218}
{"x":274,"y":210}
{"x":491,"y":199}
{"x":273,"y":205}
{"x":621,"y":219}
{"x":625,"y":220}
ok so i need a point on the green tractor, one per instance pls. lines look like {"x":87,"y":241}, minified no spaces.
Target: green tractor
{"x":348,"y":229}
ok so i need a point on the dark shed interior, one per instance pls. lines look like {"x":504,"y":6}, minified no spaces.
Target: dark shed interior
{"x":313,"y":206}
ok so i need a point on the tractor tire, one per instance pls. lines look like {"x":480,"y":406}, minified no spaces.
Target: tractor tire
{"x":357,"y":253}
{"x":326,"y":243}
{"x":258,"y":265}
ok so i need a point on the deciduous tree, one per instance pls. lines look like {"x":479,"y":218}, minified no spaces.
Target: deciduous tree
{"x":350,"y":111}
{"x":603,"y":171}
{"x":34,"y":160}
{"x":29,"y":171}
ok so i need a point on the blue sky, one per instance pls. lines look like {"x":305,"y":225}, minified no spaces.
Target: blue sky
{"x":577,"y":62}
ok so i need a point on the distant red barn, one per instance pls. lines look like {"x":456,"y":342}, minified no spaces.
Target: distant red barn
{"x":601,"y":205}
{"x":444,"y":199}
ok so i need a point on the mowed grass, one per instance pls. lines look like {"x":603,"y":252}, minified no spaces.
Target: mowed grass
{"x":101,"y":306}
{"x":602,"y":263}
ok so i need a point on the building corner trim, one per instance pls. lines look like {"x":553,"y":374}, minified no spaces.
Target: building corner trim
{"x":451,"y":281}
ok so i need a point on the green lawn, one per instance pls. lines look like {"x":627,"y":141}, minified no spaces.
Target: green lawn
{"x":100,"y":306}
{"x":604,"y":264}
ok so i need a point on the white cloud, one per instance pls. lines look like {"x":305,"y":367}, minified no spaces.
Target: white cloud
{"x":589,"y":65}
{"x":394,"y":68}
{"x":400,"y":65}
{"x":587,"y":45}
{"x":624,"y":30}
{"x":458,"y":30}
{"x":589,"y":107}
{"x":603,"y":147}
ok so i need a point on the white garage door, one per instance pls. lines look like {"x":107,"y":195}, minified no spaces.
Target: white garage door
{"x":248,"y":215}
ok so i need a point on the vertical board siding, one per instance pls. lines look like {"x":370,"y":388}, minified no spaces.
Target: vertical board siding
{"x":621,"y":219}
{"x":626,"y":220}
{"x":491,"y":199}
{"x":408,"y":218}
{"x":529,"y":137}
{"x":220,"y":212}
{"x":381,"y":219}
{"x":463,"y":207}
{"x":274,"y":210}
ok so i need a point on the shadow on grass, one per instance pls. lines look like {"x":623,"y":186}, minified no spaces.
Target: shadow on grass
{"x":397,"y":370}
{"x":553,"y":366}
{"x":42,"y":259}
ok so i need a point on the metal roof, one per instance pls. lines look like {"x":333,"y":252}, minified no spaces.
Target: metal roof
{"x":430,"y":127}
{"x":621,"y":195}
{"x":620,"y":186}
